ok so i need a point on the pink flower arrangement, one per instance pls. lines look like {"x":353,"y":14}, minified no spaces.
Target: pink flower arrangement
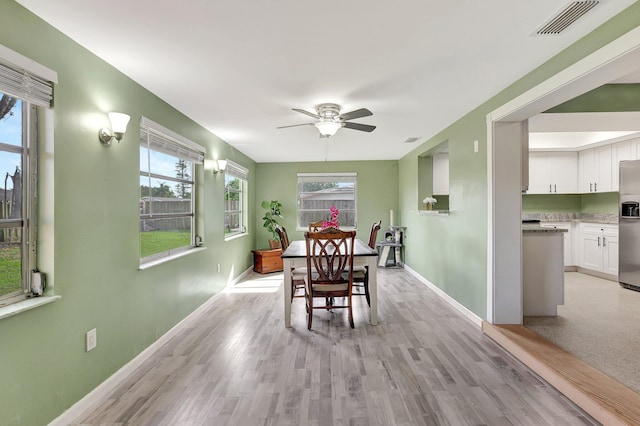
{"x":333,"y":223}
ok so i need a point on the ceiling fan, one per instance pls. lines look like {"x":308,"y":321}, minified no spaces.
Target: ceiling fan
{"x":330,"y":119}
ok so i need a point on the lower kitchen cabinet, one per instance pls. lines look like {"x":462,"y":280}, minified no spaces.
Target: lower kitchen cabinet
{"x":598,"y":247}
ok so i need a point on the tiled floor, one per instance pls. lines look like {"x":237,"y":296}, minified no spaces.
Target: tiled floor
{"x":600,"y":324}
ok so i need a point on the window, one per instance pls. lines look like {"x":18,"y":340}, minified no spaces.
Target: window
{"x":167,"y":191}
{"x":317,"y":192}
{"x":235,"y":199}
{"x":22,"y":96}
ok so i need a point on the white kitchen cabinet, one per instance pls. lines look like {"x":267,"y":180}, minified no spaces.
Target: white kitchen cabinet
{"x":553,"y":172}
{"x":594,"y":169}
{"x":568,"y":239}
{"x":441,"y":173}
{"x":635,"y":148}
{"x":620,"y":151}
{"x":598,"y":247}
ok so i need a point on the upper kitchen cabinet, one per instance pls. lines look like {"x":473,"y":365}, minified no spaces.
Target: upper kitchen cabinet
{"x":594,"y":170}
{"x":553,"y":172}
{"x":620,"y":151}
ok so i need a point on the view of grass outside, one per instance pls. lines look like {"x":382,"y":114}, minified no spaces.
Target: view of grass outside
{"x":10,"y":275}
{"x":154,"y":242}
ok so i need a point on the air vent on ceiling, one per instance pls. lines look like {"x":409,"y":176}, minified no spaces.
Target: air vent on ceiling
{"x":410,"y":140}
{"x":570,"y":14}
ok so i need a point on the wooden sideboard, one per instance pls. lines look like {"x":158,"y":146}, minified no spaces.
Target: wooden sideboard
{"x":267,"y":260}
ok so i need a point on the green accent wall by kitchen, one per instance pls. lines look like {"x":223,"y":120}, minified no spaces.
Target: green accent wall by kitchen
{"x":451,"y":251}
{"x":610,"y":97}
{"x":603,"y":202}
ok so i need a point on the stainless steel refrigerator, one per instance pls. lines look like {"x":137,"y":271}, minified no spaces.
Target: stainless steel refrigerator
{"x":629,"y":229}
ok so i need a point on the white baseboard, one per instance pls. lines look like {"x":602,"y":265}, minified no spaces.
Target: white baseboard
{"x":96,"y":395}
{"x":450,"y":300}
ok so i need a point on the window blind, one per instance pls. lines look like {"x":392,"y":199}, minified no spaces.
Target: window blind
{"x":25,"y":85}
{"x":159,"y":138}
{"x":236,"y":170}
{"x":327,"y":177}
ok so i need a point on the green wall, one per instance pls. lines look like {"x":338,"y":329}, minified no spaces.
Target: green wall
{"x":610,"y":97}
{"x":451,"y":251}
{"x":93,"y":260}
{"x":554,"y":203}
{"x":604,"y":202}
{"x":377,"y":192}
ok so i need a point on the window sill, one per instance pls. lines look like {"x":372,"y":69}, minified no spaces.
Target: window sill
{"x":26,"y":305}
{"x":434,"y":212}
{"x":235,"y":236}
{"x":157,"y":262}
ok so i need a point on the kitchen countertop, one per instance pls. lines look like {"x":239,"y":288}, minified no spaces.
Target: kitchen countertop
{"x":570,"y":217}
{"x":527,"y":227}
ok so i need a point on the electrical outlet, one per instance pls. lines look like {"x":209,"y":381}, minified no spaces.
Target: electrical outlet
{"x":475,"y":146}
{"x":92,"y":339}
{"x":218,"y":268}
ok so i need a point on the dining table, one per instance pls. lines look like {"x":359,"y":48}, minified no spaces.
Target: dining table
{"x":295,"y":256}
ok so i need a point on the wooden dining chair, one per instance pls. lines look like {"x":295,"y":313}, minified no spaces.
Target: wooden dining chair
{"x":297,"y":274}
{"x":329,"y":269}
{"x":315,"y":226}
{"x":361,"y":273}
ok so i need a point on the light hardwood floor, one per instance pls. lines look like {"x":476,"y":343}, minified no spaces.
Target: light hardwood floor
{"x":425,"y":364}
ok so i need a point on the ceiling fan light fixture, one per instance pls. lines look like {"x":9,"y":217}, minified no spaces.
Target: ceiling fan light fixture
{"x":328,"y":128}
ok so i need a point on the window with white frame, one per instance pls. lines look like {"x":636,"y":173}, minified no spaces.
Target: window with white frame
{"x":318,"y":192}
{"x":167,"y":191}
{"x":235,"y":199}
{"x":23,"y":97}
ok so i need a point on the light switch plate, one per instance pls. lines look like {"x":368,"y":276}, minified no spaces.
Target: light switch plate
{"x":92,"y":339}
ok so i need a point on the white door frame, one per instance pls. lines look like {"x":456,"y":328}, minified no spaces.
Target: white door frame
{"x":504,"y":270}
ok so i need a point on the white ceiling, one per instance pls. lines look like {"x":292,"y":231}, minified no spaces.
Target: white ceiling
{"x":238,"y":67}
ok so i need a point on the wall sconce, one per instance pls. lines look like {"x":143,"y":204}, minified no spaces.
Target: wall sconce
{"x":221,"y":166}
{"x":119,"y":123}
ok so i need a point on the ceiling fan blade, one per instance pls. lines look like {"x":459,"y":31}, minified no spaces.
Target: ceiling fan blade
{"x":295,"y":125}
{"x":302,"y":111}
{"x":359,"y":113}
{"x":359,"y":126}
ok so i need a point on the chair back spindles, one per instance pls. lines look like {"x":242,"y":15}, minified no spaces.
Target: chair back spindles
{"x":282,"y":235}
{"x":315,"y":226}
{"x":329,"y":269}
{"x":374,"y":233}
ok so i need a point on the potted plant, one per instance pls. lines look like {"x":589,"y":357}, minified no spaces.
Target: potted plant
{"x":271,"y":216}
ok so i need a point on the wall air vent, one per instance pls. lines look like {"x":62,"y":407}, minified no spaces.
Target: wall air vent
{"x":570,"y":14}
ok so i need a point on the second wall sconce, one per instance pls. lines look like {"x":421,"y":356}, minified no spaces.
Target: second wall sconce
{"x":221,"y":166}
{"x":119,"y":123}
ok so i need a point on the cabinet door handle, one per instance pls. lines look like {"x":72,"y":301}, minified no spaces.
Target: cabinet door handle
{"x":604,"y":241}
{"x":590,"y":187}
{"x":549,"y":187}
{"x":598,"y":241}
{"x":595,"y":187}
{"x":555,"y":189}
